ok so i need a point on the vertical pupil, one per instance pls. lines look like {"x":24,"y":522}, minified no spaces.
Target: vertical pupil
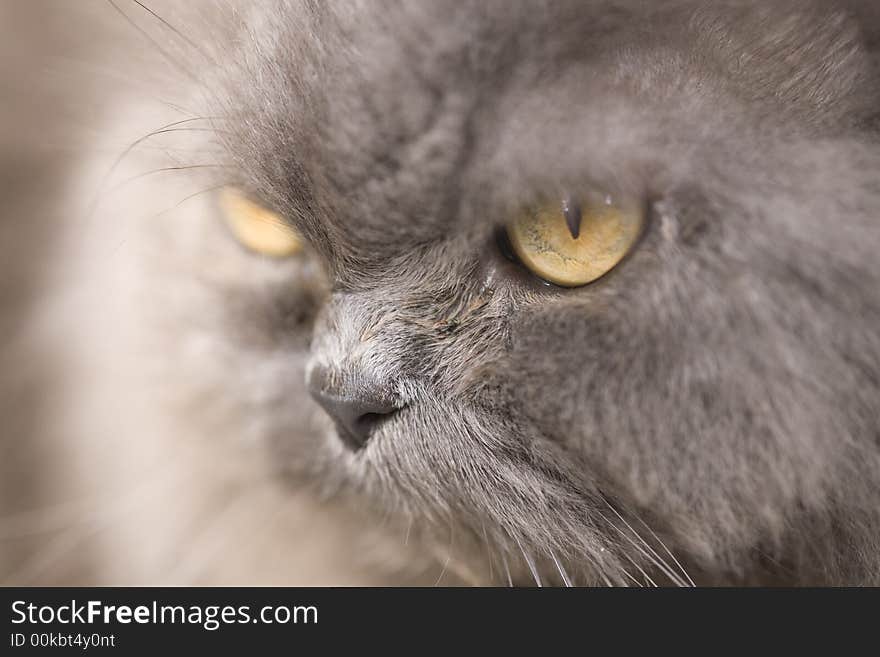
{"x":571,"y":209}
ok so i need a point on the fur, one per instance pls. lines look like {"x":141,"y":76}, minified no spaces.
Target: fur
{"x":705,"y":413}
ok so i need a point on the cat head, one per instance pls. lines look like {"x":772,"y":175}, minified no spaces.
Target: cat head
{"x":707,"y":408}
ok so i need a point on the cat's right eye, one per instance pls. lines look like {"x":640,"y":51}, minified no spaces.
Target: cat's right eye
{"x":257,"y":228}
{"x":577,"y":240}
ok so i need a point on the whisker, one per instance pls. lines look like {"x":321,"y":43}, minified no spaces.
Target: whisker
{"x":605,"y":578}
{"x":165,"y":170}
{"x":506,"y":569}
{"x":443,"y":572}
{"x":565,"y":578}
{"x":655,"y":558}
{"x":530,"y":563}
{"x":488,"y":552}
{"x":177,"y":108}
{"x":212,"y":188}
{"x":631,"y":578}
{"x":173,"y":29}
{"x":154,"y":43}
{"x":642,"y":571}
{"x":641,"y":551}
{"x":668,"y":551}
{"x":162,"y":213}
{"x":597,"y":568}
{"x":170,"y":127}
{"x":449,"y":551}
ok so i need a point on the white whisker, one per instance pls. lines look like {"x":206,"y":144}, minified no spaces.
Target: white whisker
{"x":668,"y":551}
{"x":642,"y":571}
{"x":506,"y":569}
{"x":630,"y":577}
{"x":443,"y":572}
{"x":651,"y":555}
{"x":530,"y":563}
{"x":565,"y":578}
{"x":488,"y":553}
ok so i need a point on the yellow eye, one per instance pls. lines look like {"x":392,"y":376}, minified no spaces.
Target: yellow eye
{"x":258,"y":228}
{"x":575,"y":241}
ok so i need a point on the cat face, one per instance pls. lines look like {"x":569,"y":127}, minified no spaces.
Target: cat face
{"x":713,"y":396}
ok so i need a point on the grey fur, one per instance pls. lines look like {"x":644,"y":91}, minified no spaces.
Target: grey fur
{"x":707,"y":412}
{"x":722,"y":384}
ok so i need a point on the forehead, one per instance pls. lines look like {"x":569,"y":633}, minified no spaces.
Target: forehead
{"x":377,"y":128}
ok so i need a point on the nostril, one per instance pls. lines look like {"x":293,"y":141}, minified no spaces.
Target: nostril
{"x":366,"y":424}
{"x":356,"y":432}
{"x":370,"y":419}
{"x":356,"y":412}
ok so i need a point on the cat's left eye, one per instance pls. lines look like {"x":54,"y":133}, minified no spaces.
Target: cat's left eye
{"x":575,"y":240}
{"x":257,"y":228}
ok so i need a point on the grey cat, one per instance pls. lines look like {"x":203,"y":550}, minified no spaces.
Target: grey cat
{"x":705,"y":413}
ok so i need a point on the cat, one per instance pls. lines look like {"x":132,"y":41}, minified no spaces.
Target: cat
{"x":405,"y":400}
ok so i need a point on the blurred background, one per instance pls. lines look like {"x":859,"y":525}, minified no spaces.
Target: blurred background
{"x":39,"y":107}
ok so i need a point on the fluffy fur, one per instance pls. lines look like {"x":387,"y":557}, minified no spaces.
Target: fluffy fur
{"x":705,"y":413}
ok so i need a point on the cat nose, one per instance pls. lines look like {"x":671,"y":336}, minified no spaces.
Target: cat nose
{"x":356,"y":410}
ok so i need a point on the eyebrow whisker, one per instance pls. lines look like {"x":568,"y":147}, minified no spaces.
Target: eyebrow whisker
{"x":166,"y":169}
{"x":192,"y":76}
{"x":173,"y":29}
